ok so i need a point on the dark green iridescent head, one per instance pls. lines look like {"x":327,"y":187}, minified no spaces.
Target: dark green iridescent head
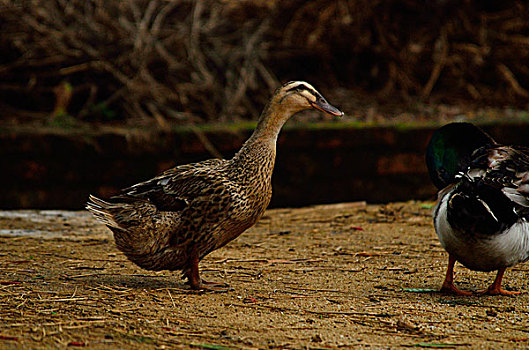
{"x":450,"y":148}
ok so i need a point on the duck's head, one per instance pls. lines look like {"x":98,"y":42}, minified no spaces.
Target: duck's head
{"x":450,"y":151}
{"x":296,"y":96}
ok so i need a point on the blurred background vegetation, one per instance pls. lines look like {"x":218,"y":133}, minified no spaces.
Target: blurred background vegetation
{"x":96,"y":95}
{"x":164,"y":62}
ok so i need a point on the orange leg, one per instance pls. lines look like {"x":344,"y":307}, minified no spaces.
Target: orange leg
{"x":495,"y":287}
{"x":448,"y":284}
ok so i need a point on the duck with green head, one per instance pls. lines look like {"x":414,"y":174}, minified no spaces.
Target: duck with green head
{"x":482,"y":213}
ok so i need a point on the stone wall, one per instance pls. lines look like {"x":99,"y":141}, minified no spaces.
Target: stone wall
{"x":317,"y":164}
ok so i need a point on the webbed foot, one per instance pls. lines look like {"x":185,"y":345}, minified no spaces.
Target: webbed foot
{"x":450,"y":288}
{"x":196,"y":283}
{"x":497,"y":290}
{"x":448,"y":284}
{"x":495,"y":287}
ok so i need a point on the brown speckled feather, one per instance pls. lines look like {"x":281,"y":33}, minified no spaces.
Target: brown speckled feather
{"x":172,"y":221}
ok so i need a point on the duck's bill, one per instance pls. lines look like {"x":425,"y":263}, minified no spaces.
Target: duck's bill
{"x":324,"y":106}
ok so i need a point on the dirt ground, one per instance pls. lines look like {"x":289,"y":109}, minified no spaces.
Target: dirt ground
{"x":344,"y":275}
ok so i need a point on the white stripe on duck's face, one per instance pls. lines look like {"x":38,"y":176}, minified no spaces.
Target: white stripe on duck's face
{"x":300,"y":86}
{"x":302,"y":89}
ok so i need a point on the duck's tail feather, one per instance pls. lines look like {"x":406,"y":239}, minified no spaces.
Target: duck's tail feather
{"x":140,"y":231}
{"x":102,"y":211}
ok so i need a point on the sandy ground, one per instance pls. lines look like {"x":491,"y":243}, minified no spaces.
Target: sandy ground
{"x":344,"y":275}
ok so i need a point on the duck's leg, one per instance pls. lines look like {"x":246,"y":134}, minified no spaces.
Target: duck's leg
{"x":495,"y":287}
{"x":194,"y":280}
{"x":448,"y":284}
{"x":193,"y":275}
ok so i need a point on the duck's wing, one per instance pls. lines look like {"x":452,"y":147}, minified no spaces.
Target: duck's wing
{"x":155,"y":222}
{"x":493,"y":194}
{"x":505,"y":168}
{"x":175,"y":188}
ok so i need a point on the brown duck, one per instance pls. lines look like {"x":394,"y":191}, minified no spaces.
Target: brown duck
{"x":174,"y":220}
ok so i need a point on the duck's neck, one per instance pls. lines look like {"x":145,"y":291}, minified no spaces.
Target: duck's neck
{"x":272,"y":119}
{"x":257,"y":155}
